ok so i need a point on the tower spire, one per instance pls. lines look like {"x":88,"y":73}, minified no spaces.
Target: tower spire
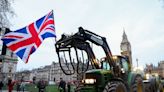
{"x":124,"y":37}
{"x":126,"y":47}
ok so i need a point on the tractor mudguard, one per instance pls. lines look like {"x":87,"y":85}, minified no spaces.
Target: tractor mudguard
{"x":133,"y":77}
{"x":136,"y":83}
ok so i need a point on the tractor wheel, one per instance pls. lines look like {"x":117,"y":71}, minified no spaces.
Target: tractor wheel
{"x":115,"y":86}
{"x":137,"y":85}
{"x":161,"y":89}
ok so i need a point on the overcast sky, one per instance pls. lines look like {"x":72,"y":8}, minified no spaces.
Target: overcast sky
{"x":143,"y":21}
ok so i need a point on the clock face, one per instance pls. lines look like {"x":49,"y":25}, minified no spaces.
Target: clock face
{"x":124,"y":48}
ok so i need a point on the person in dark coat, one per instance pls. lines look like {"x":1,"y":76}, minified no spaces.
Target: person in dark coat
{"x":62,"y":85}
{"x":69,"y":87}
{"x":18,"y":86}
{"x":41,"y":86}
{"x":1,"y":85}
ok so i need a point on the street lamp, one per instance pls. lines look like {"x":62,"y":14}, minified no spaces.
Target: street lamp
{"x":137,"y":61}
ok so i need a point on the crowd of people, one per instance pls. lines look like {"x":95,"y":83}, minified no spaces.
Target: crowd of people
{"x":61,"y":87}
{"x":10,"y":85}
{"x":41,"y":85}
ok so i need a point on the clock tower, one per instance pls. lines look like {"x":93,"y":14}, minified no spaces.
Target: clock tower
{"x":126,"y":47}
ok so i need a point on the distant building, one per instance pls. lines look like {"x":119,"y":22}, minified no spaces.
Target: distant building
{"x":8,"y":60}
{"x":23,"y":75}
{"x":150,"y":68}
{"x":57,"y":73}
{"x":48,"y":73}
{"x":41,"y":73}
{"x":126,"y":47}
{"x":161,"y":68}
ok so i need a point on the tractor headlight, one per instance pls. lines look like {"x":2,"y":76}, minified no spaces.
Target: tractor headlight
{"x":147,"y":76}
{"x":89,"y":81}
{"x":122,"y":70}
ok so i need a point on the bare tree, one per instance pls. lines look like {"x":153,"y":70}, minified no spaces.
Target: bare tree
{"x":5,"y":12}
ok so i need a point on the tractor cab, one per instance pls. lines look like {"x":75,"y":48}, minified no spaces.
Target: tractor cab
{"x":121,"y":63}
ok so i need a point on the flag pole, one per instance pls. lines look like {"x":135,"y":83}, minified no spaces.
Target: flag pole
{"x":54,"y":24}
{"x":55,"y":40}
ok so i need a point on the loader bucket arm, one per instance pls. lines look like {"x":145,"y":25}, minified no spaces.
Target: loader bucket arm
{"x":80,"y":40}
{"x":86,"y":35}
{"x":65,"y":44}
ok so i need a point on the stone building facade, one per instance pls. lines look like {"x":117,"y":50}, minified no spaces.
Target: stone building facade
{"x":48,"y":73}
{"x":8,"y":60}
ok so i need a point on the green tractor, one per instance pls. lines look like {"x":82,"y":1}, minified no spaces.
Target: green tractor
{"x":109,"y":74}
{"x":103,"y":80}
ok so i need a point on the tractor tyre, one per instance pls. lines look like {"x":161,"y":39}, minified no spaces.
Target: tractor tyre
{"x":137,"y":85}
{"x":115,"y":86}
{"x":161,"y":89}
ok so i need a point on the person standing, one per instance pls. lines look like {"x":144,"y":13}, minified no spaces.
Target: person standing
{"x":1,"y":85}
{"x":62,"y":85}
{"x":18,"y":86}
{"x":22,"y":86}
{"x":69,"y":87}
{"x":41,"y":85}
{"x":10,"y":85}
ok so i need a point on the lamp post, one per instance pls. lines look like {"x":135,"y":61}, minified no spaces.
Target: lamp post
{"x":137,"y":62}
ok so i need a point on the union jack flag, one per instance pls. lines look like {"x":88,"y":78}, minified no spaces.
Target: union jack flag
{"x":25,"y":41}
